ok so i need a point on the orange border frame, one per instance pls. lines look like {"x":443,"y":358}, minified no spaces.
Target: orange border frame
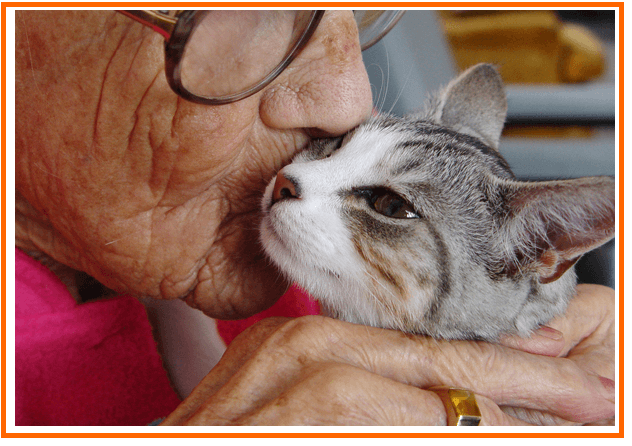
{"x":620,"y":434}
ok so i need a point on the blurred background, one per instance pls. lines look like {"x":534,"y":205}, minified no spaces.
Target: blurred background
{"x":559,"y":71}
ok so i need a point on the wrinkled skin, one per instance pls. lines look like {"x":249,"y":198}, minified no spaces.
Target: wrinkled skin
{"x":146,"y":192}
{"x":156,"y":196}
{"x":320,"y":371}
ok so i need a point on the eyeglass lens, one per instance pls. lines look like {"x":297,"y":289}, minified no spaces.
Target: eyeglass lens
{"x":230,"y":51}
{"x":373,"y":25}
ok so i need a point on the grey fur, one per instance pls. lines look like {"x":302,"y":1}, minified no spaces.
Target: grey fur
{"x":484,"y":255}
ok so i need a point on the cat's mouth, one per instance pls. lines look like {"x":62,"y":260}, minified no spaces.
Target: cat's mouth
{"x":283,"y":250}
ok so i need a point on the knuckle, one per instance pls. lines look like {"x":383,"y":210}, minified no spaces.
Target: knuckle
{"x":568,"y":368}
{"x":605,"y":295}
{"x":259,"y":329}
{"x":489,"y":357}
{"x":296,"y":340}
{"x":252,"y":337}
{"x":336,"y":383}
{"x":597,"y":296}
{"x":301,"y":332}
{"x":464,"y":356}
{"x":566,"y":377}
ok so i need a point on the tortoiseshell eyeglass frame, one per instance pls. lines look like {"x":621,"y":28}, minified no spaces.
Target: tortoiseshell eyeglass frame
{"x":176,"y":28}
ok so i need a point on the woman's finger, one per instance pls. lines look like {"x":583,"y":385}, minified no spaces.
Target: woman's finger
{"x":590,"y":314}
{"x":536,"y":417}
{"x":591,"y":326}
{"x":546,"y":341}
{"x":507,"y":376}
{"x":492,"y":415}
{"x":335,"y":394}
{"x":328,"y":394}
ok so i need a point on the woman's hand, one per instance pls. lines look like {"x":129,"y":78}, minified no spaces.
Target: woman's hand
{"x":319,"y":371}
{"x":586,"y":339}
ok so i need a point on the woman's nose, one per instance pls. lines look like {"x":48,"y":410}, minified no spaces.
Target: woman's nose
{"x":326,"y":89}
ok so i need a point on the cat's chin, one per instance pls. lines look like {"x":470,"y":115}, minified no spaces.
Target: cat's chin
{"x":294,"y":266}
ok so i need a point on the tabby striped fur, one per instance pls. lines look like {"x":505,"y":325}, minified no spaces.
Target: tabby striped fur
{"x":482,"y":254}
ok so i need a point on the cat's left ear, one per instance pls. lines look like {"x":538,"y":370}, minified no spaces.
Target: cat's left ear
{"x":549,"y":225}
{"x":475,"y":104}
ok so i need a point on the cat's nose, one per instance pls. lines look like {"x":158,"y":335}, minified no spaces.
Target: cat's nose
{"x":285,"y":187}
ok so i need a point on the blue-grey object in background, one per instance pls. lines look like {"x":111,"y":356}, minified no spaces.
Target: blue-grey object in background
{"x":577,"y":102}
{"x":559,"y":158}
{"x":411,"y":61}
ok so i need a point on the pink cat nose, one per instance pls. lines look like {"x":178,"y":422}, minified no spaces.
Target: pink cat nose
{"x":284,"y":187}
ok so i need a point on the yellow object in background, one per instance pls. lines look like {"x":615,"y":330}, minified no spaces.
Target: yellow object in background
{"x":527,"y":46}
{"x":582,"y":57}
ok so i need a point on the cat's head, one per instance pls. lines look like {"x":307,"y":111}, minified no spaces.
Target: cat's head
{"x":418,"y":224}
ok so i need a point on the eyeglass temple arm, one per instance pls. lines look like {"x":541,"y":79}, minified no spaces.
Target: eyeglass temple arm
{"x":161,"y":23}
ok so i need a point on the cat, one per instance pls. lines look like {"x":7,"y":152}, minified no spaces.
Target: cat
{"x":418,"y":224}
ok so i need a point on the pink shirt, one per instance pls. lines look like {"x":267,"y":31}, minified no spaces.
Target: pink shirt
{"x":97,"y":363}
{"x":89,"y":364}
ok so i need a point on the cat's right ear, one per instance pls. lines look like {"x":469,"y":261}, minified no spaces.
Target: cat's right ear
{"x":474,"y":103}
{"x":549,"y":225}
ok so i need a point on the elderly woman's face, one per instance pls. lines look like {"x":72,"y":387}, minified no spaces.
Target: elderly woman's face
{"x":149,"y":193}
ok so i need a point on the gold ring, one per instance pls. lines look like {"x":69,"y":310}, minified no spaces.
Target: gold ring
{"x":460,"y":406}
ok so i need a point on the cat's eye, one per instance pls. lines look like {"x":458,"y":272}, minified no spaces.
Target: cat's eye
{"x":391,"y":205}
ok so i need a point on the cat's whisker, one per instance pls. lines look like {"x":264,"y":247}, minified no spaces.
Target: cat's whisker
{"x":381,"y":90}
{"x":388,"y":78}
{"x":410,"y":71}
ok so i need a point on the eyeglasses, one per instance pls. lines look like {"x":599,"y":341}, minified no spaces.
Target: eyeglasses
{"x":222,"y":56}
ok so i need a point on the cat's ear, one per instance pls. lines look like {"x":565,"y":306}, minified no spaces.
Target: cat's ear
{"x":550,"y":225}
{"x":474,"y":103}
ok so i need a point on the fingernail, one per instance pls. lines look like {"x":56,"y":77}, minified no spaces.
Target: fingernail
{"x":549,"y":333}
{"x":607,"y":388}
{"x":609,"y":385}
